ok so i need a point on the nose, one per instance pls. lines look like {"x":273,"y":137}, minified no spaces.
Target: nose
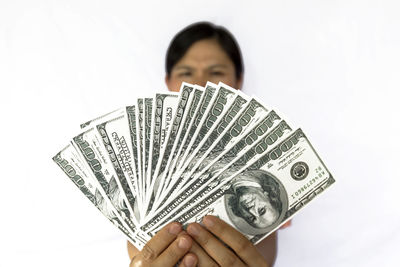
{"x":200,"y":79}
{"x":254,"y":211}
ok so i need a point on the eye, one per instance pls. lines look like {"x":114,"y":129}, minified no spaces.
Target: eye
{"x":261,"y":211}
{"x":248,"y":203}
{"x":217,"y":73}
{"x":185,"y":74}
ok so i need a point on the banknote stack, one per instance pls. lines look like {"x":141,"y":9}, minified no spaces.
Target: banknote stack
{"x":180,"y":156}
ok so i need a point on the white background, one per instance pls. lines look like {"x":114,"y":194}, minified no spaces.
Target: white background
{"x":331,"y":66}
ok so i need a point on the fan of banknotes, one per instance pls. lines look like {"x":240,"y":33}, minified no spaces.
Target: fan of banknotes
{"x":180,"y":156}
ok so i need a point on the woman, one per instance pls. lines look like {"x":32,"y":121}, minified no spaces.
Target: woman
{"x":199,"y":53}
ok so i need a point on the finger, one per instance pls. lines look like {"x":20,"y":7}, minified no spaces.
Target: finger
{"x":235,"y":240}
{"x":171,"y":255}
{"x":190,"y":260}
{"x":160,"y":241}
{"x":268,"y":248}
{"x":132,"y":250}
{"x":286,"y":224}
{"x":215,"y":248}
{"x":204,"y":260}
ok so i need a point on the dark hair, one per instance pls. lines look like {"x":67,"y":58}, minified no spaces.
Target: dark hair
{"x":184,"y":39}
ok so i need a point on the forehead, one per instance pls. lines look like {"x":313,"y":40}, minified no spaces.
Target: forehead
{"x":203,"y":53}
{"x":258,"y":193}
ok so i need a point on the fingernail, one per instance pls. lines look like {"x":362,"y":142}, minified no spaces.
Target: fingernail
{"x":174,"y":229}
{"x":193,"y":229}
{"x":189,"y":261}
{"x":208,"y":221}
{"x":183,"y":243}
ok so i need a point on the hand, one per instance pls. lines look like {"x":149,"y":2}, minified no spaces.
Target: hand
{"x":286,"y":225}
{"x":166,"y":248}
{"x":213,"y":240}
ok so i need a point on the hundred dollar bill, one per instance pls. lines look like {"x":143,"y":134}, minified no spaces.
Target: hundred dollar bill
{"x":147,"y":116}
{"x":262,"y":196}
{"x":116,"y":138}
{"x":187,"y":94}
{"x":103,"y":118}
{"x":232,"y":125}
{"x":190,"y":99}
{"x":254,"y":113}
{"x":164,"y":107}
{"x":139,"y":129}
{"x":211,"y":128}
{"x":251,"y":124}
{"x":225,"y":97}
{"x":248,"y":148}
{"x":93,"y":151}
{"x":219,"y":105}
{"x":167,"y":143}
{"x":196,"y":112}
{"x":131,"y":112}
{"x":74,"y":167}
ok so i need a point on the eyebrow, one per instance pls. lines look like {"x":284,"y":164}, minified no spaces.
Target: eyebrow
{"x":185,"y":67}
{"x":218,"y":66}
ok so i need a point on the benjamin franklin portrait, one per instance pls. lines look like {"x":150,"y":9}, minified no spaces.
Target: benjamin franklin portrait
{"x":256,"y":202}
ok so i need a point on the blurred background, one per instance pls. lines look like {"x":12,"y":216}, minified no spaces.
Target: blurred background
{"x":331,"y":66}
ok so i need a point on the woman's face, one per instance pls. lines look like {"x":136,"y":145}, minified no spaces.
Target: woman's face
{"x":256,"y":209}
{"x":204,"y":61}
